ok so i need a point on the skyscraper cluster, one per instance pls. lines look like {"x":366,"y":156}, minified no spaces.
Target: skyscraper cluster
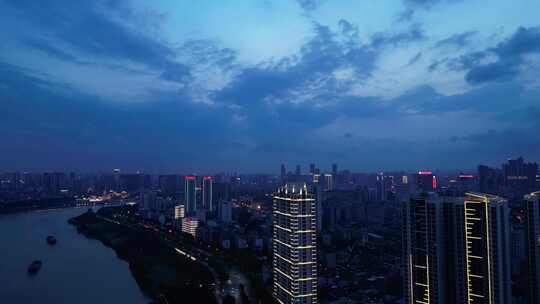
{"x":514,"y":179}
{"x":457,"y":250}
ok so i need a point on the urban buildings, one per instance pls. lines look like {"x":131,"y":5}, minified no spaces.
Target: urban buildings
{"x":189,"y":225}
{"x":169,"y":184}
{"x":207,"y":202}
{"x":190,"y":194}
{"x":425,"y":181}
{"x":490,"y":180}
{"x":225,"y":211}
{"x":294,"y":245}
{"x":456,"y":250}
{"x":487,"y":250}
{"x":532,"y":230}
{"x":424,"y":252}
{"x":519,"y":177}
{"x":328,"y":182}
{"x":179,"y":212}
{"x":515,"y":179}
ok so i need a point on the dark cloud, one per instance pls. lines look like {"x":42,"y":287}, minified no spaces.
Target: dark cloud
{"x":522,"y":141}
{"x":510,"y":57}
{"x":90,"y":29}
{"x":309,"y":5}
{"x":176,"y":72}
{"x":422,"y":3}
{"x":270,"y":112}
{"x":53,"y":126}
{"x":456,"y":40}
{"x":414,"y":34}
{"x":497,"y":101}
{"x":426,"y":4}
{"x":311,"y":68}
{"x":347,"y":28}
{"x":411,"y":6}
{"x":49,"y":49}
{"x":415,"y":58}
{"x":505,"y":61}
{"x":208,"y":52}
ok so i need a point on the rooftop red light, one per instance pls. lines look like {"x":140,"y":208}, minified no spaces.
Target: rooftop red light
{"x":190,"y":177}
{"x":425,"y":172}
{"x":207,"y":177}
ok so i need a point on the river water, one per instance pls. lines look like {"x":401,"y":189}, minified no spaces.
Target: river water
{"x":76,"y":270}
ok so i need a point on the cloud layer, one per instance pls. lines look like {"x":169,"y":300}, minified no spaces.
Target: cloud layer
{"x":95,"y":85}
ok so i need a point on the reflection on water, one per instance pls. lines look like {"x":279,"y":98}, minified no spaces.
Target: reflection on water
{"x":75,"y":270}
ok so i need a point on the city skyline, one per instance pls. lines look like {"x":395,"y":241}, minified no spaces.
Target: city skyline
{"x":187,"y":86}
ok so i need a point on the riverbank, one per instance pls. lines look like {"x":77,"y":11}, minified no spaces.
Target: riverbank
{"x":160,"y":272}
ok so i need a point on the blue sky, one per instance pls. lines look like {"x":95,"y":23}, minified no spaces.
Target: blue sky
{"x":208,"y":86}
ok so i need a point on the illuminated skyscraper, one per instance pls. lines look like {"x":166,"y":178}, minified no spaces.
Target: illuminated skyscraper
{"x":533,"y":246}
{"x":207,"y":193}
{"x":424,"y":250}
{"x":487,"y":250}
{"x":190,"y":195}
{"x":179,"y":212}
{"x":294,"y":245}
{"x":189,"y":225}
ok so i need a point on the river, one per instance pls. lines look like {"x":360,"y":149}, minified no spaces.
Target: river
{"x":76,"y":270}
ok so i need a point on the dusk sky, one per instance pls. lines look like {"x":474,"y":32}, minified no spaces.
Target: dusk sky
{"x":211,"y":86}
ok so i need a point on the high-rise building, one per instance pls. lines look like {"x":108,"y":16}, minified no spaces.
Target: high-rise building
{"x":311,"y":168}
{"x":382,"y":190}
{"x":454,"y":248}
{"x":425,"y":181}
{"x":519,"y":177}
{"x":487,"y":250}
{"x":465,"y":183}
{"x":317,"y":192}
{"x":225,"y":211}
{"x":169,"y":184}
{"x":334,"y":170}
{"x":149,"y":199}
{"x":179,"y":212}
{"x":490,"y":180}
{"x":207,"y":193}
{"x":294,"y":245}
{"x":532,"y":241}
{"x":424,"y":250}
{"x":189,"y":225}
{"x":328,"y":182}
{"x":298,"y":171}
{"x":190,"y":194}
